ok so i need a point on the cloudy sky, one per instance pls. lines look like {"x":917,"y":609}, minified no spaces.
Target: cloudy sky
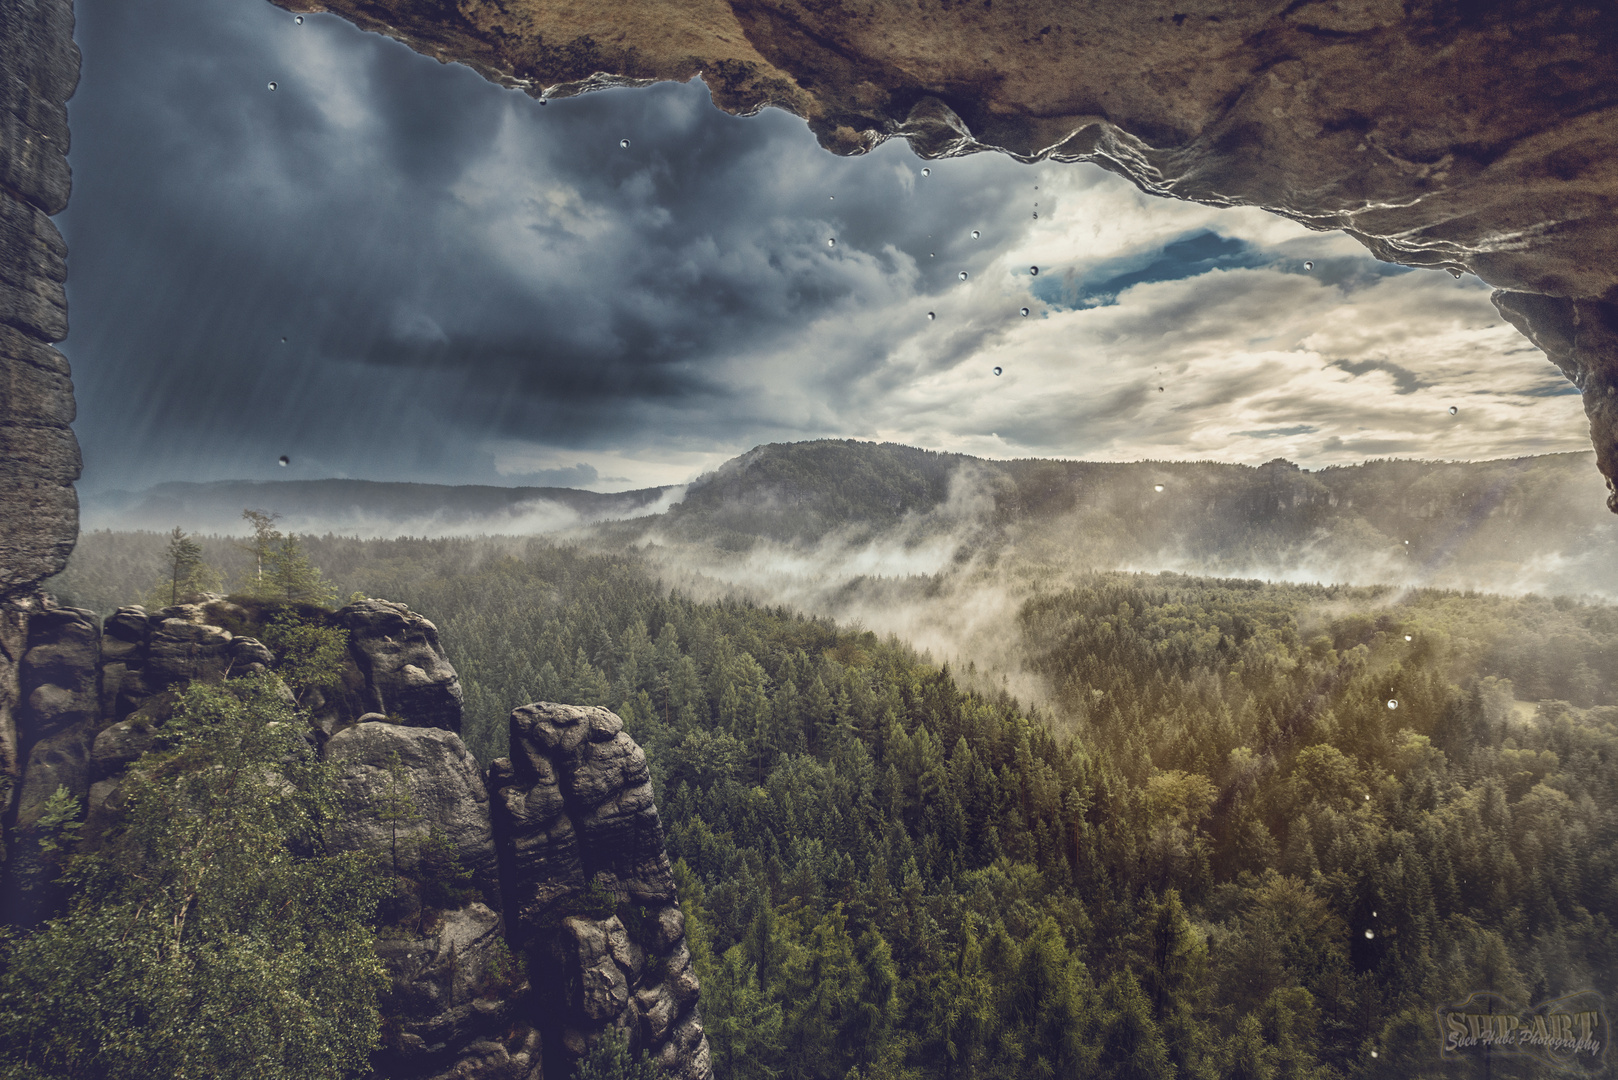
{"x":388,"y":268}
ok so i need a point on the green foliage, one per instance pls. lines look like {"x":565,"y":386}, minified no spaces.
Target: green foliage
{"x":209,"y":934}
{"x":610,"y":1059}
{"x":281,"y":569}
{"x":59,"y":820}
{"x":309,"y":655}
{"x":185,"y":575}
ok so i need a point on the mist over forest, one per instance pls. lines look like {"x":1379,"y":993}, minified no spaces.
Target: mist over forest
{"x":1045,"y":768}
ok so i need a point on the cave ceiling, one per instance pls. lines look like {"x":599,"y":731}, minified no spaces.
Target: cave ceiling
{"x":1473,"y":137}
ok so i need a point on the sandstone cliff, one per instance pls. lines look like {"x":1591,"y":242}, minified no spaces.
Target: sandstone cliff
{"x":533,"y":907}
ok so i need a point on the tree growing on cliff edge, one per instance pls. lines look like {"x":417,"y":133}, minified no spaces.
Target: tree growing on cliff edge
{"x":210,"y":934}
{"x":281,"y":568}
{"x":185,"y":575}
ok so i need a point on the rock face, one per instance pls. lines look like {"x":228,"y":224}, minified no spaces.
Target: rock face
{"x":1439,"y":133}
{"x":589,"y":896}
{"x":60,"y":691}
{"x":405,"y":670}
{"x":39,"y":457}
{"x":532,"y":909}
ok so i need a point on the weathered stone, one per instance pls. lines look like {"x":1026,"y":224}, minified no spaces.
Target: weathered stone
{"x":39,"y":68}
{"x":180,"y":651}
{"x":33,"y":271}
{"x":576,"y":829}
{"x":60,"y":674}
{"x":118,"y":746}
{"x":444,"y":785}
{"x":406,"y":672}
{"x":35,"y":387}
{"x":249,"y":655}
{"x":130,"y":624}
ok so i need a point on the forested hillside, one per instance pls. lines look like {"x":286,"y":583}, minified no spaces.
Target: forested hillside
{"x":1263,"y":831}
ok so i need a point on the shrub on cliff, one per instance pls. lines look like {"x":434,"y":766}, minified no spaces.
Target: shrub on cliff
{"x":210,"y":934}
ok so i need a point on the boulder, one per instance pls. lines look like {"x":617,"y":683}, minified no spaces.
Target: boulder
{"x":406,"y":672}
{"x":437,"y":789}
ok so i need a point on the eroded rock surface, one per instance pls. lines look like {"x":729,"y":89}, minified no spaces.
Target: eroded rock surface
{"x":589,"y":895}
{"x":405,"y":669}
{"x":1439,"y":133}
{"x":39,"y":456}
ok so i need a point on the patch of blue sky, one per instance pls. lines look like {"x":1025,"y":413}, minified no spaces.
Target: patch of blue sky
{"x":1189,"y":256}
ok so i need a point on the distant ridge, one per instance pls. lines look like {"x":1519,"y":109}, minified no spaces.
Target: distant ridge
{"x":367,"y":506}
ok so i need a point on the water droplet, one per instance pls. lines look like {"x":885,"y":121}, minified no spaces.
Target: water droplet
{"x":997,"y":371}
{"x":1452,"y":410}
{"x":930,"y":255}
{"x":931,"y":316}
{"x":623,"y":144}
{"x":1308,"y":265}
{"x":833,"y":198}
{"x":272,"y":86}
{"x":1036,"y":215}
{"x":1369,"y":934}
{"x":832,"y":242}
{"x":285,"y":461}
{"x":962,"y":275}
{"x":299,"y":20}
{"x":1373,"y":1053}
{"x":974,"y":234}
{"x":1455,"y":271}
{"x":1367,"y":798}
{"x":283,"y":341}
{"x":1393,"y":703}
{"x":1157,"y":487}
{"x":1034,"y":270}
{"x":1159,"y":389}
{"x":1373,"y":914}
{"x":1407,"y":637}
{"x":926,"y":172}
{"x":1024,"y":312}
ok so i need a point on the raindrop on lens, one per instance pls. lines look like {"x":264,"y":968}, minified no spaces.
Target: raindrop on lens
{"x":1024,"y":312}
{"x":1393,"y":703}
{"x":272,"y":86}
{"x":1452,"y":410}
{"x":1036,"y":215}
{"x":1034,"y":270}
{"x":299,"y":20}
{"x":623,"y":144}
{"x":1159,"y":389}
{"x":1308,"y":266}
{"x":926,"y":172}
{"x":284,"y":460}
{"x":974,"y":234}
{"x":1373,"y":1053}
{"x":997,"y":371}
{"x":1373,"y":914}
{"x":931,"y":316}
{"x":1157,"y":487}
{"x":1407,"y":637}
{"x":832,"y":242}
{"x":962,"y":275}
{"x":1368,"y":936}
{"x":283,"y":341}
{"x":930,"y":255}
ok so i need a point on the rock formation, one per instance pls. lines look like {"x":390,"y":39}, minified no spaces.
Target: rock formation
{"x":532,"y":909}
{"x":588,"y":891}
{"x":1439,"y":133}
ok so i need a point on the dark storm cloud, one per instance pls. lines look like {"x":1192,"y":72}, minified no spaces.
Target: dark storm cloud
{"x":447,"y":261}
{"x":1405,"y":381}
